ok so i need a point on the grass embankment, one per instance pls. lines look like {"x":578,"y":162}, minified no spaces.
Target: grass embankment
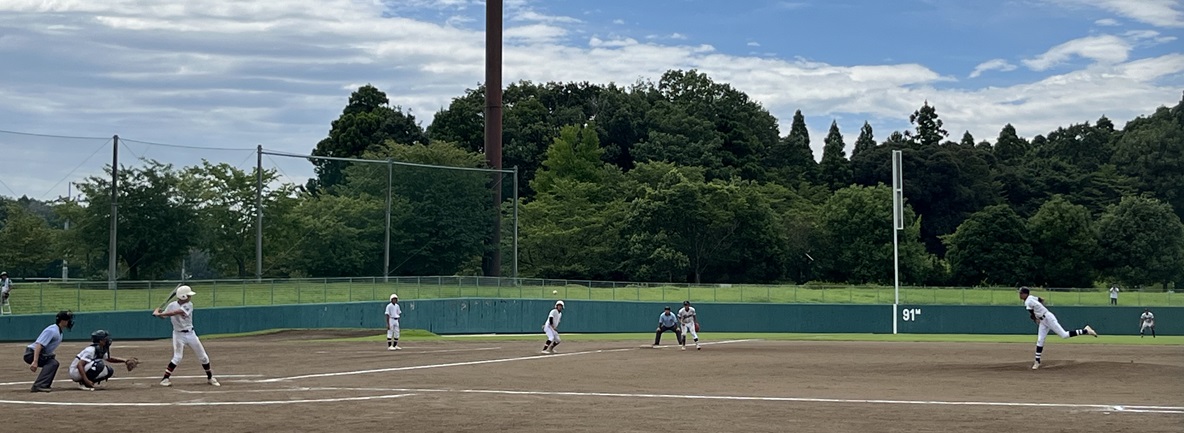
{"x":50,"y":297}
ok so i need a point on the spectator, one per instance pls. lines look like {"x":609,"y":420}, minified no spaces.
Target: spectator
{"x":1114,"y":295}
{"x":5,"y":287}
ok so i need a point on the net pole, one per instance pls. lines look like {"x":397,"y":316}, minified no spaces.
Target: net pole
{"x":258,"y":213}
{"x":112,"y":271}
{"x":386,"y":250}
{"x":515,"y":271}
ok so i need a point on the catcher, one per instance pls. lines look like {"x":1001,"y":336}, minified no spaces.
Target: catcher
{"x":89,"y":368}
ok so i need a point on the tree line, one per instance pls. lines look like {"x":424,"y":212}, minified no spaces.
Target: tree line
{"x":683,"y":179}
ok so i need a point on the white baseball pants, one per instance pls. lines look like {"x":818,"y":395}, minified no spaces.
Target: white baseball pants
{"x":1146,"y":325}
{"x":182,"y":339}
{"x":689,"y":329}
{"x":1049,"y":323}
{"x":552,"y":334}
{"x":392,"y":329}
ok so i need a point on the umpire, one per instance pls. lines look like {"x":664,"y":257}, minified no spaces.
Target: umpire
{"x":667,"y":322}
{"x":40,"y":353}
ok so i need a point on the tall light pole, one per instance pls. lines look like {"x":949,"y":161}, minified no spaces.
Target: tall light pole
{"x":493,"y":127}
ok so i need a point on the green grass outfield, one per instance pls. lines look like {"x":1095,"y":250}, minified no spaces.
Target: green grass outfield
{"x":421,"y":335}
{"x":30,"y":298}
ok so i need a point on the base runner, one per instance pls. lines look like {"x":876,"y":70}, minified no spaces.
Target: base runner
{"x":181,"y":314}
{"x":551,"y":327}
{"x":1046,"y":321}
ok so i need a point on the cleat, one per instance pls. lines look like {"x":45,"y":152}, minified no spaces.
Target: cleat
{"x":552,"y":351}
{"x":84,"y":387}
{"x":390,"y":348}
{"x":40,"y":389}
{"x":698,"y":347}
{"x":213,"y":381}
{"x":398,"y":348}
{"x":166,"y":382}
{"x":1036,"y":365}
{"x":544,"y":352}
{"x":1090,"y":331}
{"x":683,"y":347}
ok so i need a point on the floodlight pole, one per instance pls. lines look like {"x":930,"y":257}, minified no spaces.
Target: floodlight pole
{"x":493,"y":127}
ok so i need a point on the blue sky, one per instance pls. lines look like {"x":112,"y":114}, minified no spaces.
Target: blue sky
{"x":236,"y":74}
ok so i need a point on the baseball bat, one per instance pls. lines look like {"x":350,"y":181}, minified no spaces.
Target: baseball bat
{"x":172,"y":295}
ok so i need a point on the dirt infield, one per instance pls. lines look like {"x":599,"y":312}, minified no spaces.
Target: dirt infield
{"x":286,"y":382}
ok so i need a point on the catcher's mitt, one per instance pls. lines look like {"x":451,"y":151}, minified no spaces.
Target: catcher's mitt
{"x":132,"y":363}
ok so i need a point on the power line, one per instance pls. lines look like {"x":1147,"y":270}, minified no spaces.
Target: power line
{"x":183,"y":146}
{"x":31,"y":134}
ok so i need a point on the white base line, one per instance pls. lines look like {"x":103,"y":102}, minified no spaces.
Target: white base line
{"x":202,"y":403}
{"x":411,"y":352}
{"x":146,"y":377}
{"x":420,"y":367}
{"x":1099,"y":407}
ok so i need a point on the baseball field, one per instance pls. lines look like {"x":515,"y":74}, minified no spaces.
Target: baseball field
{"x":346,"y":381}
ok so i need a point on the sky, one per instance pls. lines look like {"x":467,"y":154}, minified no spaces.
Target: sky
{"x":228,"y":75}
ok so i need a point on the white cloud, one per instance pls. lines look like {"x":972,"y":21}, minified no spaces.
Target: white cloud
{"x":181,"y":73}
{"x":619,"y":21}
{"x":1162,"y":13}
{"x":529,"y":15}
{"x":754,"y":44}
{"x":992,"y":65}
{"x":678,"y":36}
{"x":1108,"y":49}
{"x":1107,"y":22}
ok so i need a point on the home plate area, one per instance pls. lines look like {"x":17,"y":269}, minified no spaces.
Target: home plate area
{"x":295,"y":382}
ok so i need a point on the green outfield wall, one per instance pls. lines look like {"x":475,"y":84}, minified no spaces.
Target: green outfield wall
{"x":517,"y":316}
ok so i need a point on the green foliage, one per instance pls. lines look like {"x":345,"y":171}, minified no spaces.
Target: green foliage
{"x":991,"y":247}
{"x":1064,"y":245}
{"x":156,"y":221}
{"x":855,"y":245}
{"x":1151,"y":151}
{"x":1142,"y":242}
{"x":791,"y":160}
{"x":367,"y":121}
{"x":929,"y":127}
{"x":835,"y":169}
{"x":1009,"y":147}
{"x":26,"y":241}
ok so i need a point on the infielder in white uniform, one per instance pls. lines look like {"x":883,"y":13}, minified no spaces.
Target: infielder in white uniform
{"x":89,"y":368}
{"x":5,"y":287}
{"x":1047,"y":321}
{"x":690,"y":321}
{"x":551,"y":327}
{"x":393,"y":312}
{"x":181,"y":314}
{"x":1147,"y":320}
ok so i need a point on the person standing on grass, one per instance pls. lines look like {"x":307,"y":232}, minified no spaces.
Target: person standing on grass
{"x":667,"y":321}
{"x":5,"y":287}
{"x":1046,"y":321}
{"x":1114,"y":295}
{"x":41,"y":352}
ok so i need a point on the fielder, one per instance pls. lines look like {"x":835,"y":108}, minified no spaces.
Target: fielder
{"x":181,"y":314}
{"x":393,"y":312}
{"x":690,"y":325}
{"x":1047,"y":321}
{"x":1146,"y":320}
{"x":551,"y":328}
{"x":89,"y":368}
{"x":5,"y":287}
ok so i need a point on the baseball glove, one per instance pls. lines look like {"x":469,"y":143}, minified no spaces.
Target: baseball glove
{"x":132,"y":363}
{"x":696,"y":326}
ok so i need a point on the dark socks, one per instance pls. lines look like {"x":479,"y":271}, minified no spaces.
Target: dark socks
{"x":1039,"y":351}
{"x":547,"y":345}
{"x":209,"y":373}
{"x":169,"y":371}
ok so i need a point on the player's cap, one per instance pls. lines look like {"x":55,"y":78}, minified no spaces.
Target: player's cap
{"x":394,"y":296}
{"x":668,"y":307}
{"x":558,"y":303}
{"x":686,"y":302}
{"x":184,"y":292}
{"x":4,"y":274}
{"x":1025,"y":290}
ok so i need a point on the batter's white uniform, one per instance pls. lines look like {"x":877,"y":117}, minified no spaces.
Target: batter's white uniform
{"x":1048,"y":321}
{"x":183,"y":334}
{"x":1148,"y":320}
{"x":686,"y":315}
{"x":393,"y":312}
{"x":86,"y":357}
{"x":552,"y":333}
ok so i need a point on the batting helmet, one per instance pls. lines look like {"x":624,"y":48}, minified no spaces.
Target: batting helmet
{"x":184,"y":292}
